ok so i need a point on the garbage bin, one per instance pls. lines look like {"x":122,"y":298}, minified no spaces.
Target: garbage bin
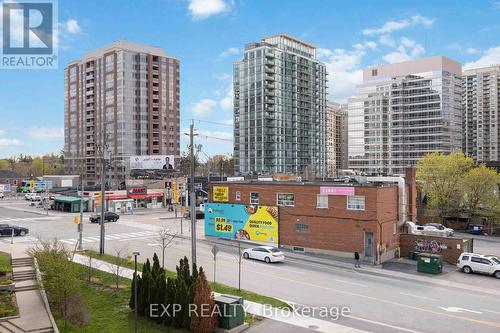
{"x":231,"y":310}
{"x":430,"y":263}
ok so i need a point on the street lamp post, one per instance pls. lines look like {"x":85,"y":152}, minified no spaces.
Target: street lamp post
{"x":136,"y":253}
{"x":80,"y":225}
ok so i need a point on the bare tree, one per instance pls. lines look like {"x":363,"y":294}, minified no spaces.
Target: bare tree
{"x":165,"y":237}
{"x":117,"y":265}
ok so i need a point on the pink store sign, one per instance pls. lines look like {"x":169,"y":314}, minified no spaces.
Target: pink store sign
{"x":331,"y":190}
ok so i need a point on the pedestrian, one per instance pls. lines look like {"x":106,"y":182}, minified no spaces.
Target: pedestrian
{"x":356,"y":260}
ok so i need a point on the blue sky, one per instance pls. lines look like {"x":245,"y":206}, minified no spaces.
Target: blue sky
{"x":209,"y":35}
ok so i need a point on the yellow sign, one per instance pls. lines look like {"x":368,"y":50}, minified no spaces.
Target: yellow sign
{"x":183,"y":209}
{"x":175,"y":191}
{"x":32,"y":183}
{"x":222,"y":226}
{"x":75,"y":219}
{"x":221,"y":193}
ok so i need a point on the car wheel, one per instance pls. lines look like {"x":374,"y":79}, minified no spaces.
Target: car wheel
{"x":467,"y":270}
{"x":497,"y":274}
{"x":22,"y":233}
{"x":266,"y":259}
{"x":245,"y":255}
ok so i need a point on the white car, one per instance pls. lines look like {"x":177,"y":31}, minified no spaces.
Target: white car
{"x":264,"y":253}
{"x":27,"y":196}
{"x":35,"y":197}
{"x":478,"y":263}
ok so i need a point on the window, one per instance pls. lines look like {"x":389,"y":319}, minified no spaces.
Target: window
{"x":475,"y":259}
{"x":254,"y":198}
{"x":374,"y":72}
{"x":485,"y":261}
{"x":285,"y":199}
{"x":299,"y":227}
{"x":465,"y":258}
{"x":356,"y":202}
{"x":238,"y":196}
{"x":322,"y":201}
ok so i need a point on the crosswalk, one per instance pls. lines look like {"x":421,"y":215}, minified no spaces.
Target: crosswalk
{"x":7,"y":220}
{"x":115,"y":237}
{"x":121,"y":237}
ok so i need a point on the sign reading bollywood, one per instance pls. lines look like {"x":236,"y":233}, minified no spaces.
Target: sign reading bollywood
{"x":252,"y":223}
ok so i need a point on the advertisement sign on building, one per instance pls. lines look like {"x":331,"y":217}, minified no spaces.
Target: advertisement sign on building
{"x":252,"y":223}
{"x":221,"y":193}
{"x":152,"y":162}
{"x":332,"y":190}
{"x":4,"y":188}
{"x":137,"y":190}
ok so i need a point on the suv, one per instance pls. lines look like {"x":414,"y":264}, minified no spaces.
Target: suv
{"x":478,"y":263}
{"x":108,"y":216}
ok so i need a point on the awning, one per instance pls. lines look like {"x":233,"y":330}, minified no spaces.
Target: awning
{"x":117,"y":196}
{"x":144,"y":196}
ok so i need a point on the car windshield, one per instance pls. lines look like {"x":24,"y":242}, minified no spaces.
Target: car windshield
{"x":496,"y":260}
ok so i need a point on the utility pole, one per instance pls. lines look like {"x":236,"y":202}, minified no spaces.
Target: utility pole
{"x":80,"y":225}
{"x":192,"y":206}
{"x":102,"y":154}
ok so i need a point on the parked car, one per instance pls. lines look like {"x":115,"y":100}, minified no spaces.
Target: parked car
{"x":264,"y":253}
{"x":439,"y":226}
{"x":6,"y":230}
{"x":478,"y":263}
{"x":27,"y":196}
{"x":199,"y":214}
{"x":2,"y":195}
{"x":475,"y":229}
{"x":108,"y":217}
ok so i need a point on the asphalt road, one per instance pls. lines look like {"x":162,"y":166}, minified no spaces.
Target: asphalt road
{"x":376,"y":303}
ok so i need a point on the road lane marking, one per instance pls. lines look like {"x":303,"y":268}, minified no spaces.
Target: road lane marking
{"x":349,"y":282}
{"x":377,"y":299}
{"x":383,"y":324}
{"x":422,"y":297}
{"x":458,"y":310}
{"x":496,"y":312}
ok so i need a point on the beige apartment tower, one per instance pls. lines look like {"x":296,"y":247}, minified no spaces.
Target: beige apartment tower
{"x":125,"y":95}
{"x":336,"y":137}
{"x":402,"y":112}
{"x":481,"y":104}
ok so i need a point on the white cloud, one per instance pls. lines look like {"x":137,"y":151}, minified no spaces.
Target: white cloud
{"x":45,"y":133}
{"x":487,"y":58}
{"x":344,"y":71}
{"x":229,"y":52}
{"x":226,"y":103}
{"x":228,"y":121}
{"x":204,"y":107}
{"x":391,"y":26}
{"x":72,"y":27}
{"x":496,"y":4}
{"x":407,"y":50}
{"x":8,"y":142}
{"x":387,"y":41}
{"x":472,"y":50}
{"x":201,"y":9}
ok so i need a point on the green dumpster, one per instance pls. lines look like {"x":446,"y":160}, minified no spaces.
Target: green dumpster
{"x":430,"y":263}
{"x":231,"y":311}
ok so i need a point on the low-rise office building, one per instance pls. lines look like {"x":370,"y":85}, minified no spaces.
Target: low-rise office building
{"x":329,"y":217}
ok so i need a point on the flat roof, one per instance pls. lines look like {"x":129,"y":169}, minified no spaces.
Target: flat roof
{"x":67,"y":199}
{"x":315,"y":183}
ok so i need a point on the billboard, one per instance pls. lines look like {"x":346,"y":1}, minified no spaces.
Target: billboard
{"x":152,"y":162}
{"x":221,"y":193}
{"x":253,"y":223}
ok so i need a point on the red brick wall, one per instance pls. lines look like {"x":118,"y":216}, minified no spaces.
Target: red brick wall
{"x":332,"y":229}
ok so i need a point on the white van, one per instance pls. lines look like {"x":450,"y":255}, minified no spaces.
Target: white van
{"x":478,"y":263}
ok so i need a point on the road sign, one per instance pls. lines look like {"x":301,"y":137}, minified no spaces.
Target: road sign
{"x":75,"y":219}
{"x":215,"y":250}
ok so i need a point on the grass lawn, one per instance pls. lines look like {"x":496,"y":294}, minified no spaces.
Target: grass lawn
{"x":7,"y":305}
{"x":217,"y":287}
{"x":108,"y":308}
{"x":5,"y":266}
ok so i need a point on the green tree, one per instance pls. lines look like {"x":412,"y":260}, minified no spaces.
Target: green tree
{"x":439,"y":177}
{"x":143,"y":297}
{"x":204,"y":319}
{"x":170,"y":299}
{"x":131,"y":302}
{"x":480,"y":193}
{"x":4,"y":165}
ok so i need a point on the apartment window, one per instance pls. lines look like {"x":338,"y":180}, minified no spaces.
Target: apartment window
{"x":322,"y":201}
{"x":300,"y":227}
{"x":374,"y":72}
{"x":356,"y":202}
{"x":254,"y":198}
{"x":238,"y":196}
{"x":285,"y":199}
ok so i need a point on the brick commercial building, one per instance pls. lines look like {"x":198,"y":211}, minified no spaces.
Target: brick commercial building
{"x":327,"y":217}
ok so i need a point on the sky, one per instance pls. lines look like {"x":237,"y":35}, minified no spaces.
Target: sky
{"x":207,"y":36}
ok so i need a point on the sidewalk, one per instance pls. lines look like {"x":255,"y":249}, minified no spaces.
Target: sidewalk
{"x":33,"y":315}
{"x":251,"y":307}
